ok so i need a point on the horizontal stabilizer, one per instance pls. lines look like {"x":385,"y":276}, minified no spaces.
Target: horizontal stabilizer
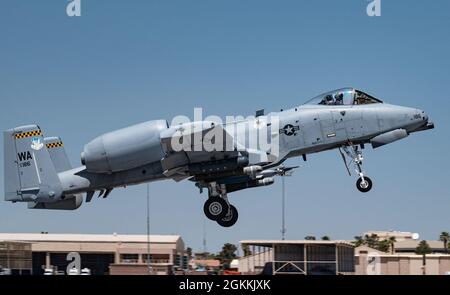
{"x":57,"y":153}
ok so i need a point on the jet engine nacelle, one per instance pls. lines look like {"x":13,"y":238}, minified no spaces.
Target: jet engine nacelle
{"x":68,"y":203}
{"x":125,"y":148}
{"x":388,"y":137}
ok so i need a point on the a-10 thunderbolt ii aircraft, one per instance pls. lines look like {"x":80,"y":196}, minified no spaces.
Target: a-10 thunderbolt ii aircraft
{"x":37,"y":170}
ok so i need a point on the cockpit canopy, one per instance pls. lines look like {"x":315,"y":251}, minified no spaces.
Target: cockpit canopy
{"x":344,"y":96}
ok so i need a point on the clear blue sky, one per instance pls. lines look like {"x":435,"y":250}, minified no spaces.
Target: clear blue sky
{"x":124,"y":62}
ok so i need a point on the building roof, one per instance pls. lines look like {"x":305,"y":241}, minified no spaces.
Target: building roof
{"x":39,"y":237}
{"x":269,"y":243}
{"x":364,"y":249}
{"x":399,"y":235}
{"x":412,"y":244}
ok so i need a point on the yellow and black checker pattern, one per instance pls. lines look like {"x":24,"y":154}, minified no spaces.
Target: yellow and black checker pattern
{"x":54,"y":144}
{"x":28,"y":134}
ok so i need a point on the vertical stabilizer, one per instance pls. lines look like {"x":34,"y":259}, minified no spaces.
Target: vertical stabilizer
{"x":29,"y":172}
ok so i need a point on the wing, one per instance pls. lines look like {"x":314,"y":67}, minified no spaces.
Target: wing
{"x":205,"y":149}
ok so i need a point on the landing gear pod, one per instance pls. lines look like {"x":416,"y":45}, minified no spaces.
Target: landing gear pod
{"x":388,"y":137}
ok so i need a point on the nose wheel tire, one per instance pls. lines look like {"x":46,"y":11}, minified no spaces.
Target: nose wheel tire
{"x":364,"y":186}
{"x":230,"y":219}
{"x":215,"y":208}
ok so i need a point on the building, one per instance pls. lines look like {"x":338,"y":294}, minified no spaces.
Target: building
{"x":409,"y":246}
{"x":398,"y":235}
{"x":402,"y":260}
{"x":15,"y":258}
{"x":103,"y":254}
{"x":369,"y":261}
{"x":205,"y":264}
{"x":304,"y":257}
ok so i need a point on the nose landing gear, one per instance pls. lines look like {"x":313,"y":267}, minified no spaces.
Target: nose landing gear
{"x":363,"y":183}
{"x":217,"y":207}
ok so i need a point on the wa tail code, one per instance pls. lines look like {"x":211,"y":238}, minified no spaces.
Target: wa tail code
{"x":24,"y":156}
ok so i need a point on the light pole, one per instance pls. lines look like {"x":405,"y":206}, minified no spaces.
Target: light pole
{"x":283,"y":172}
{"x":149,"y":267}
{"x":204,"y":236}
{"x":283,"y":224}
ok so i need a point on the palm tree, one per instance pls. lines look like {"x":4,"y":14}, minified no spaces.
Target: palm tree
{"x":423,"y":249}
{"x":372,"y":240}
{"x":383,"y":246}
{"x":358,"y":241}
{"x":392,"y":241}
{"x":445,"y":237}
{"x":246,"y":250}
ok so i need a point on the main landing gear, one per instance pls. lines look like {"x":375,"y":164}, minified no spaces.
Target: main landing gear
{"x":218,"y":208}
{"x":364,"y":183}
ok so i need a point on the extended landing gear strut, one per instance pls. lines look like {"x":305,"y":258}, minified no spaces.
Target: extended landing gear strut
{"x":364,"y":183}
{"x":218,"y":208}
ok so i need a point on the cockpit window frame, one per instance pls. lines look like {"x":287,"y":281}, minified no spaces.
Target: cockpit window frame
{"x":320,"y":99}
{"x":370,"y":97}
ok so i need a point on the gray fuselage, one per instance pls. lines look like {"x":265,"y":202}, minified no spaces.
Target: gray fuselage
{"x":303,"y":130}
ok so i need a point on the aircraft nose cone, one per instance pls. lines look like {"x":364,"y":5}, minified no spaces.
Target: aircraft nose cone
{"x":424,"y":115}
{"x":424,"y":120}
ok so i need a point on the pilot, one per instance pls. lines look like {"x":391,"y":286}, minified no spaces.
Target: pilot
{"x":339,"y":98}
{"x":327,"y":100}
